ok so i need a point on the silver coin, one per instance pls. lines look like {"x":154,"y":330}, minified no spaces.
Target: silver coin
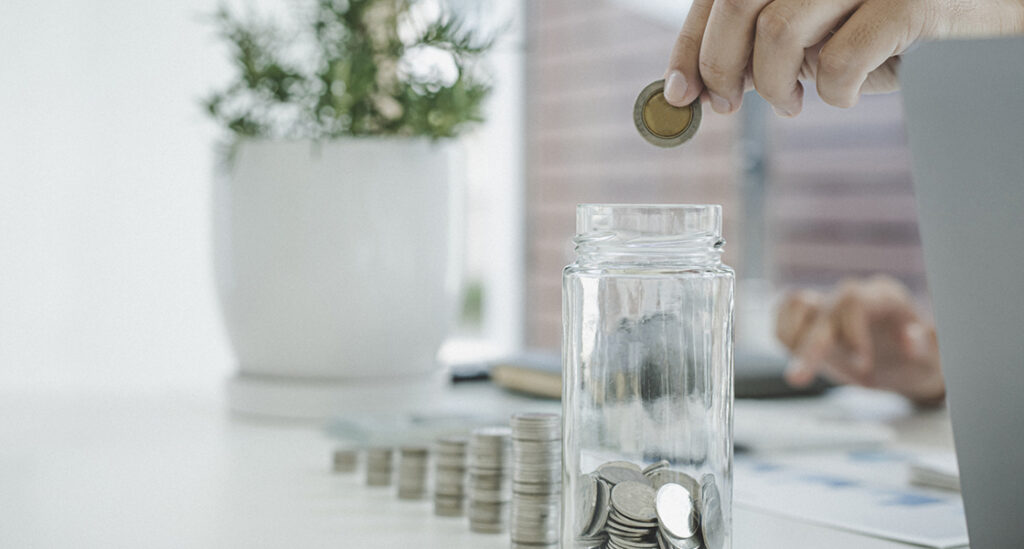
{"x":587,"y":500}
{"x":494,"y":434}
{"x":623,"y":530}
{"x":656,"y":466}
{"x":668,"y":542}
{"x":623,"y":464}
{"x":635,"y":500}
{"x":675,"y":509}
{"x":486,"y":527}
{"x":712,"y":523}
{"x":662,"y":477}
{"x":696,"y":542}
{"x":539,"y":489}
{"x":448,"y":512}
{"x":603,"y":509}
{"x":536,"y":426}
{"x":620,"y":519}
{"x":616,"y":474}
{"x":624,"y":542}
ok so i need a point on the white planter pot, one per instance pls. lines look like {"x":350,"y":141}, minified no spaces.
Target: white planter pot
{"x":334,"y":273}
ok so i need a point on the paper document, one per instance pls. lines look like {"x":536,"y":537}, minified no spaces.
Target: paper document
{"x":937,"y":470}
{"x":866,"y":492}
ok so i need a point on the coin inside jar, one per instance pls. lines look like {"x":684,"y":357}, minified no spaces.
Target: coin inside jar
{"x":663,"y":124}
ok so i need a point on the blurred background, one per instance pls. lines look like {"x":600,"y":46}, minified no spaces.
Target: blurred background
{"x":106,"y":259}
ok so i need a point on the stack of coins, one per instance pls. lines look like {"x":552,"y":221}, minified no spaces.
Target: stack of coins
{"x":621,"y":506}
{"x":450,"y":476}
{"x":536,"y":480}
{"x":489,"y":480}
{"x":345,"y":460}
{"x":378,"y":466}
{"x":632,"y":520}
{"x":412,"y":472}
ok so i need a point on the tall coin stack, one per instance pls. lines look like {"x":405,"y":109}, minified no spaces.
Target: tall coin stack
{"x":489,"y":480}
{"x":536,"y":480}
{"x":378,"y":466}
{"x":412,"y":472}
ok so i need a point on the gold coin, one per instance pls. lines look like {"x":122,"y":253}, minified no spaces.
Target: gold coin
{"x":663,"y":119}
{"x":663,"y":124}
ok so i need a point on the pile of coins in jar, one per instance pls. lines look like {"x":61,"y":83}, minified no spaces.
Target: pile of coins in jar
{"x":621,"y":506}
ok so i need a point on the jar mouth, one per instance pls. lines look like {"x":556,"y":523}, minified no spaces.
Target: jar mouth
{"x":649,"y":232}
{"x":653,"y":220}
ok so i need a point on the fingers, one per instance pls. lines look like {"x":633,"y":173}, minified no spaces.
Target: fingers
{"x":810,"y":357}
{"x":916,"y":341}
{"x":725,"y":50}
{"x":683,"y":82}
{"x":785,"y":28}
{"x":878,"y":30}
{"x":796,"y":314}
{"x":853,"y":329}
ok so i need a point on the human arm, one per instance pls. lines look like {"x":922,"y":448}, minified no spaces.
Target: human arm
{"x":847,"y":47}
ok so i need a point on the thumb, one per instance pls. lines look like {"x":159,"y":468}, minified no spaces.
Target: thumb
{"x":915,"y":341}
{"x":683,"y":83}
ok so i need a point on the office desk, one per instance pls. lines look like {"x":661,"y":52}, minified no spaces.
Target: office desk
{"x":174,"y":469}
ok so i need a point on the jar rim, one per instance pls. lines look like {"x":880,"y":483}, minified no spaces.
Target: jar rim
{"x":650,"y":219}
{"x":649,"y":233}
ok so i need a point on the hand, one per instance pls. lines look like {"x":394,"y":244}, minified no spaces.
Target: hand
{"x":847,"y":47}
{"x":868,"y":333}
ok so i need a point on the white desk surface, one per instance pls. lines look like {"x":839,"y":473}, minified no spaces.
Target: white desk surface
{"x":175,"y":469}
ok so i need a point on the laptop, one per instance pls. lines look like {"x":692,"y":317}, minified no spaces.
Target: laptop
{"x":964,"y":103}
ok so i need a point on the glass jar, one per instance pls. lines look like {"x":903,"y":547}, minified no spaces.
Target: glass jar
{"x":647,"y":392}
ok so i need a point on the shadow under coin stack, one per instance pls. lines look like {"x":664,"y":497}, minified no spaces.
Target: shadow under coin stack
{"x":624,"y":507}
{"x":536,"y":480}
{"x":489,"y":480}
{"x":450,"y":476}
{"x":412,"y":472}
{"x":378,"y":466}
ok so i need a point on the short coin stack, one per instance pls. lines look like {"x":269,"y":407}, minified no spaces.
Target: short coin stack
{"x":489,"y":480}
{"x":412,"y":472}
{"x":536,"y":480}
{"x":378,"y":466}
{"x":621,"y":506}
{"x":450,"y":476}
{"x":345,"y":460}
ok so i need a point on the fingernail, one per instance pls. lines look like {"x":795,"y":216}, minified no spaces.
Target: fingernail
{"x":917,"y":338}
{"x":720,"y":104}
{"x":795,"y":371}
{"x":783,"y":113}
{"x":675,"y":88}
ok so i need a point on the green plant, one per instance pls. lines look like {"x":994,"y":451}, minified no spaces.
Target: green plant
{"x":351,"y":68}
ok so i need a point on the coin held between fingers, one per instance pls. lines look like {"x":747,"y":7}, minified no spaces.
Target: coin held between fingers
{"x":661,"y":123}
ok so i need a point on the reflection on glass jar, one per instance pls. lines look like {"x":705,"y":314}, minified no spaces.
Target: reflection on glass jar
{"x":647,"y":393}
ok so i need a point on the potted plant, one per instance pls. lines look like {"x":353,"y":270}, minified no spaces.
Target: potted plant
{"x":331,"y":218}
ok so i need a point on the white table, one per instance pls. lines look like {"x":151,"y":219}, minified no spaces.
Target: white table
{"x":174,"y":469}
